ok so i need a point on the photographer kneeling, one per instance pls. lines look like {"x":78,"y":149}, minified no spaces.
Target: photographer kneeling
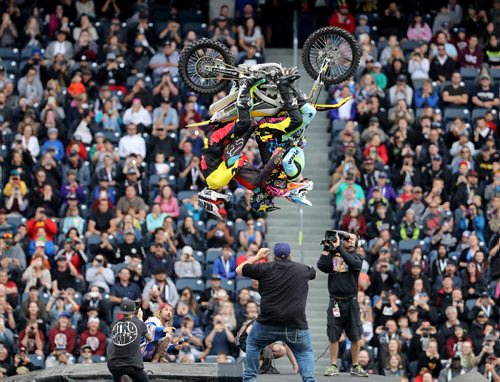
{"x":343,"y":264}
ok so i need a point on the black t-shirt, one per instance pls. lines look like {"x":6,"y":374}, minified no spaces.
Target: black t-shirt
{"x":64,"y":279}
{"x":283,"y":287}
{"x":102,"y":219}
{"x":124,"y":349}
{"x":343,"y":270}
{"x":485,"y":95}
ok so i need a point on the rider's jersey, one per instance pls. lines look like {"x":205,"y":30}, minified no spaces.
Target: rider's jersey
{"x":273,"y":132}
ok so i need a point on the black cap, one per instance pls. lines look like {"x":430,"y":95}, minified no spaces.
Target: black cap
{"x":127,"y":306}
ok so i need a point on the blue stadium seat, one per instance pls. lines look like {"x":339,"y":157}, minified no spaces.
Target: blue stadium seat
{"x":481,"y":112}
{"x":243,"y":282}
{"x":407,"y":246}
{"x":185,"y":195}
{"x":190,"y":15}
{"x":201,"y":29}
{"x":450,"y":113}
{"x":196,"y":284}
{"x":469,"y":73}
{"x":212,"y":254}
{"x":37,"y":360}
{"x":9,"y":54}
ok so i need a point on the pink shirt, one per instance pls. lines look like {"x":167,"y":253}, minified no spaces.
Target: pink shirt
{"x":171,"y":208}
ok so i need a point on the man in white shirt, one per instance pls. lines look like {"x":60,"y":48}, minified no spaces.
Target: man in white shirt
{"x":60,"y":46}
{"x":132,"y":143}
{"x":137,"y":114}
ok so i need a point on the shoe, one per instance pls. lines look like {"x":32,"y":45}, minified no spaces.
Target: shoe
{"x":267,"y":361}
{"x":299,"y":198}
{"x":304,"y":185}
{"x":126,"y":378}
{"x":215,"y":208}
{"x":358,"y":371}
{"x":261,"y":202}
{"x":331,"y":371}
{"x":272,"y":370}
{"x":212,"y":195}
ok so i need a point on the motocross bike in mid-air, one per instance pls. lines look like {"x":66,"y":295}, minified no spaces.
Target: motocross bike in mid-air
{"x":330,"y":56}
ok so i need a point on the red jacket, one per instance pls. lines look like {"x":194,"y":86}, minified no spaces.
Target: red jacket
{"x":346,"y":219}
{"x":382,"y":151}
{"x":348,"y":24}
{"x":49,"y":225}
{"x":97,"y":342}
{"x":60,"y":337}
{"x":82,"y":152}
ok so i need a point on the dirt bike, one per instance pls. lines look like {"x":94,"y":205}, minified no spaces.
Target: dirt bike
{"x":330,"y":56}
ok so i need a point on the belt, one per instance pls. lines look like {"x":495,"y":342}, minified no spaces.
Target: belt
{"x":343,"y":298}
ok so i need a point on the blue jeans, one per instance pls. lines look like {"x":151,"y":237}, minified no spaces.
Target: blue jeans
{"x":298,"y":340}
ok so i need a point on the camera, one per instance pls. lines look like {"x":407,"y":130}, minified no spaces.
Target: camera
{"x":137,"y":304}
{"x":330,"y":235}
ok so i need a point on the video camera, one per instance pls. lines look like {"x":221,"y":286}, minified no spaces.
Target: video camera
{"x":331,"y":236}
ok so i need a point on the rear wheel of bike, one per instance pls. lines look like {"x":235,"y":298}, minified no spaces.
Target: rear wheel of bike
{"x":335,"y":44}
{"x":196,"y":65}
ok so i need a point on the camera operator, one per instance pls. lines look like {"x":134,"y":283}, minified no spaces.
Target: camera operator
{"x":343,"y":264}
{"x":124,"y":353}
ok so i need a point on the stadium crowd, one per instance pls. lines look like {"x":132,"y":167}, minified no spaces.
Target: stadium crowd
{"x":416,"y":173}
{"x":100,"y":174}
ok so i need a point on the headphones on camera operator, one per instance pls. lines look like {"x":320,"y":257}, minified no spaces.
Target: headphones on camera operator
{"x":330,"y":235}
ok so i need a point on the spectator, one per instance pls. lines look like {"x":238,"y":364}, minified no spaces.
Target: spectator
{"x":419,"y":30}
{"x":472,"y":55}
{"x":455,"y":94}
{"x":485,"y":95}
{"x":163,"y":287}
{"x":418,"y":66}
{"x":168,"y":203}
{"x":187,"y":265}
{"x":426,"y":96}
{"x":401,"y":90}
{"x":99,"y":274}
{"x":139,"y":116}
{"x":62,"y":336}
{"x":220,"y":235}
{"x":225,"y":265}
{"x":158,"y":260}
{"x":168,"y":58}
{"x":94,"y":338}
{"x":342,"y":18}
{"x":132,"y":143}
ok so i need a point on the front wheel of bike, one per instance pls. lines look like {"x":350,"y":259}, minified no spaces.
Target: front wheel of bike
{"x":337,"y":45}
{"x":196,"y":66}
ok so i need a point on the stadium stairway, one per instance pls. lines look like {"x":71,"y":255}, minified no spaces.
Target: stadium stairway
{"x":283,"y":224}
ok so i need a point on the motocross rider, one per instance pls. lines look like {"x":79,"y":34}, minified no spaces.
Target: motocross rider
{"x":221,"y":154}
{"x":284,"y":133}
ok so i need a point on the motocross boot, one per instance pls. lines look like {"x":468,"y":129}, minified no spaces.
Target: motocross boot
{"x":261,"y":202}
{"x":304,"y":185}
{"x":245,"y":88}
{"x":299,"y":197}
{"x":211,"y":195}
{"x":285,"y":87}
{"x":300,"y":95}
